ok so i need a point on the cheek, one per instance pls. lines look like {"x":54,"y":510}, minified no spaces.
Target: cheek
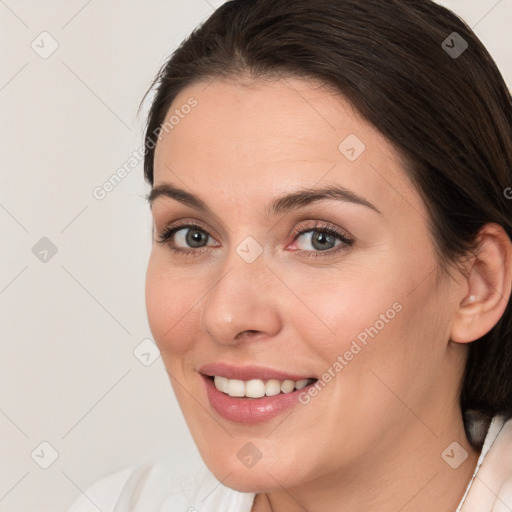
{"x":337,"y":308}
{"x":170,"y":306}
{"x":357,"y":322}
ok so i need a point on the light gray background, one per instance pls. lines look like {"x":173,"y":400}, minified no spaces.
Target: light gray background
{"x":70,"y":325}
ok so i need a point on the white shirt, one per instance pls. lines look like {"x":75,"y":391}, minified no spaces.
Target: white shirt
{"x":155,"y":486}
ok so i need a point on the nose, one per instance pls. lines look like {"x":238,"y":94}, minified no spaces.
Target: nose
{"x":243,"y":303}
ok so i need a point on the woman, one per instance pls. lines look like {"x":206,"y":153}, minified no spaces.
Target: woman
{"x":330,"y":279}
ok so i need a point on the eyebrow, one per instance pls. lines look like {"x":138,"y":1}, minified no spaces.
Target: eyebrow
{"x":285,"y":203}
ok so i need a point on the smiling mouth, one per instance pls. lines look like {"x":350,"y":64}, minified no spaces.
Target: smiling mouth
{"x":258,"y":388}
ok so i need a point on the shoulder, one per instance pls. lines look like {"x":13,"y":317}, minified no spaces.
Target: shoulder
{"x":492,"y":484}
{"x":161,"y":485}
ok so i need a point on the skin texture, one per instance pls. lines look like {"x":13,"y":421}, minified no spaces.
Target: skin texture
{"x":372,"y":439}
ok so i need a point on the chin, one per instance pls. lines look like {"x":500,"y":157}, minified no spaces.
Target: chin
{"x":262,"y":476}
{"x":249,"y":480}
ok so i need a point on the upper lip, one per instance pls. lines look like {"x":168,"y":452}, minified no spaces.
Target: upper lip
{"x":248,"y":372}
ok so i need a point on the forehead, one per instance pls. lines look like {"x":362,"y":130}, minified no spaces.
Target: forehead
{"x":266,"y":137}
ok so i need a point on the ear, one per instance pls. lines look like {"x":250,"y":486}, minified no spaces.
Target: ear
{"x":487,"y":286}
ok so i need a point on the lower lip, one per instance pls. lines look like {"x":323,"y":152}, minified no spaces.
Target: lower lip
{"x":250,"y":410}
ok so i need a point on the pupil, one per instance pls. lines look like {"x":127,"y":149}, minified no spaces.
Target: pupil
{"x":195,"y":237}
{"x":322,"y":238}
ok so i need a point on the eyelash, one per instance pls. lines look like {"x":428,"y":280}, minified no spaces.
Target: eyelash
{"x":165,"y":237}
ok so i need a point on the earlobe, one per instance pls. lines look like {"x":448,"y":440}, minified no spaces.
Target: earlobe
{"x":487,"y":286}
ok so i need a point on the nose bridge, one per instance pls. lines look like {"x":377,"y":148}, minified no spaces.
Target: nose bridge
{"x":240,"y":299}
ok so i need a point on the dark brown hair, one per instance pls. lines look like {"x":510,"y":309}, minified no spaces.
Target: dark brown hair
{"x":449,"y":116}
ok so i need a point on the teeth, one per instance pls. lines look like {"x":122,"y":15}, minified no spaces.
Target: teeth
{"x":221,"y":383}
{"x":287,"y":386}
{"x":256,"y":388}
{"x":301,"y":384}
{"x":236,"y":387}
{"x":272,"y":387}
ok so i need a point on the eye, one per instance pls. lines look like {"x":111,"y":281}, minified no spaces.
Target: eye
{"x":184,"y":239}
{"x":192,"y":239}
{"x":322,"y":238}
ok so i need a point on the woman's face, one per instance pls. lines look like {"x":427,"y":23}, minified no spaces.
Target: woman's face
{"x":356,"y":307}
